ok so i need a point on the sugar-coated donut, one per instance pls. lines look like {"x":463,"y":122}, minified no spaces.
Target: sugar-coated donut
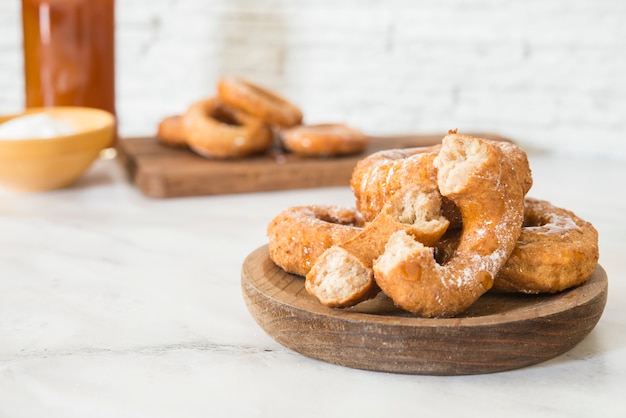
{"x":441,"y":226}
{"x":342,"y":276}
{"x":378,"y":176}
{"x":171,"y":131}
{"x":556,"y":250}
{"x":487,"y":182}
{"x":324,"y":140}
{"x":299,"y":235}
{"x":259,"y":102}
{"x":218,"y":130}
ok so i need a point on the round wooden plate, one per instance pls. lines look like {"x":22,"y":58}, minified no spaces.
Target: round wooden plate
{"x":499,"y":332}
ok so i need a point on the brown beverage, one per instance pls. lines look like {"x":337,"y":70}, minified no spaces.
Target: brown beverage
{"x":69,"y":53}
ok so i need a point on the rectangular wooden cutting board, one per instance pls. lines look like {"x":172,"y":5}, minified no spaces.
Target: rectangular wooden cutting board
{"x":160,"y":171}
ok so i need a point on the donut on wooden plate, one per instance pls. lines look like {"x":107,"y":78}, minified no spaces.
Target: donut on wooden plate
{"x":215,"y":129}
{"x":258,"y":101}
{"x":299,"y":235}
{"x":324,"y":140}
{"x":487,"y":182}
{"x":380,"y":175}
{"x":342,"y":276}
{"x":556,"y":250}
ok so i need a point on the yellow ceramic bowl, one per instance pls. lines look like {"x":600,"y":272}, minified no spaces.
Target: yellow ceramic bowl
{"x":52,"y":163}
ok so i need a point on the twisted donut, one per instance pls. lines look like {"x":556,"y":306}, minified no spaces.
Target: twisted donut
{"x":215,"y":129}
{"x":324,"y":140}
{"x":171,"y":131}
{"x":259,"y":102}
{"x":487,"y":182}
{"x":342,"y":276}
{"x":299,"y":235}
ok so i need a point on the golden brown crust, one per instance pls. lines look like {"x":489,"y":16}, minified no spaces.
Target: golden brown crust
{"x":487,"y":182}
{"x":556,"y":250}
{"x":171,"y":131}
{"x":217,"y":130}
{"x":415,"y":209}
{"x":501,"y":240}
{"x":299,"y":235}
{"x":342,"y":276}
{"x":324,"y":140}
{"x":258,"y":101}
{"x":379,"y":176}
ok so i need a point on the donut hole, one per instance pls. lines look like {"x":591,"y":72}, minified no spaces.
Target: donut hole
{"x":533,"y":220}
{"x":550,"y":223}
{"x":445,"y":248}
{"x":338,"y":220}
{"x":336,"y":215}
{"x":222,"y":115}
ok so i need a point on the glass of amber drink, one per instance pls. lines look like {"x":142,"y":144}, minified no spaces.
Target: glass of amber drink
{"x":69,"y":53}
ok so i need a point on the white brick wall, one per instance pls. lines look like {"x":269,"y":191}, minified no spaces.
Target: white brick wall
{"x":548,"y":73}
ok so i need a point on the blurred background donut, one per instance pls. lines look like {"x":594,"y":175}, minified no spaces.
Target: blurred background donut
{"x":548,"y":74}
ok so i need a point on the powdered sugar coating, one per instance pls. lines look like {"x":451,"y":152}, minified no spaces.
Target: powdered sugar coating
{"x":488,"y":183}
{"x":299,"y":235}
{"x":555,"y":251}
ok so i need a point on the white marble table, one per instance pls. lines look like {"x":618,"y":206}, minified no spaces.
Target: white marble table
{"x":117,"y":305}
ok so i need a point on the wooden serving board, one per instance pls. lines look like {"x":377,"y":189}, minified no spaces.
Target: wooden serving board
{"x":499,"y":332}
{"x":161,"y":171}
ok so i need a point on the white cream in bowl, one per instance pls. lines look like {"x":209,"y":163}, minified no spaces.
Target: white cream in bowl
{"x":35,"y":126}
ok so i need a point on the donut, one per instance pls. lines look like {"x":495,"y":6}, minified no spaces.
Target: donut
{"x":299,"y":235}
{"x":487,"y":182}
{"x":556,"y":250}
{"x":324,"y":140}
{"x":342,"y":276}
{"x":171,"y":131}
{"x":378,"y":176}
{"x":259,"y":102}
{"x":216,"y":130}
